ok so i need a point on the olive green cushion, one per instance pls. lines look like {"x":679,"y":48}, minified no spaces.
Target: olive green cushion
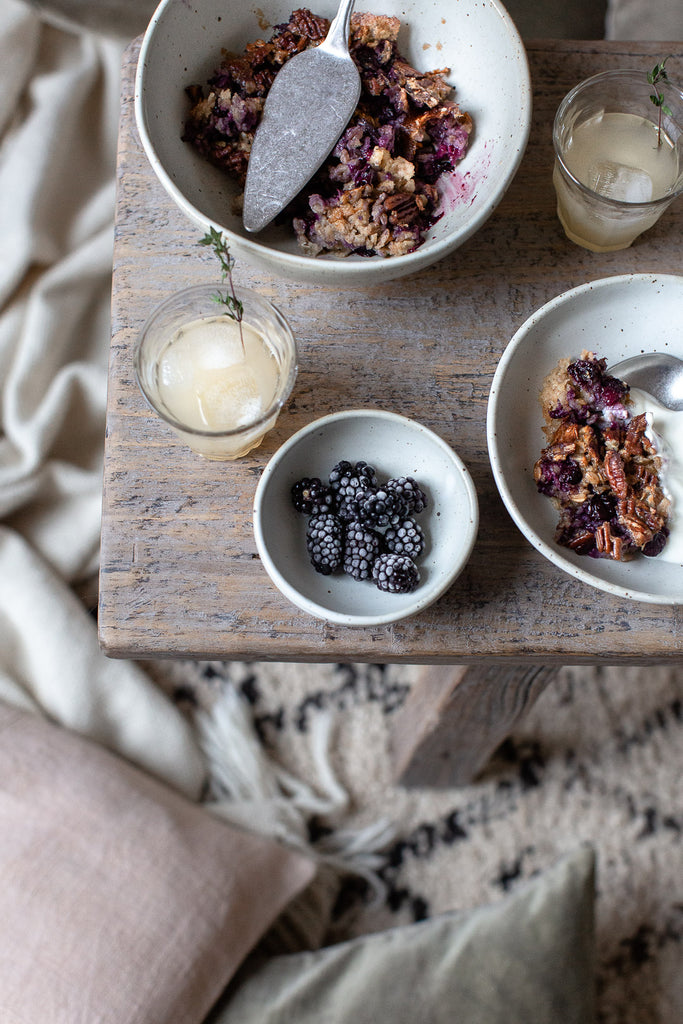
{"x":528,"y":959}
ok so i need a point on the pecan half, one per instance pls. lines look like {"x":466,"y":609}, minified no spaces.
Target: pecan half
{"x":402,"y":207}
{"x":607,"y":544}
{"x":635,"y":436}
{"x":616,"y":473}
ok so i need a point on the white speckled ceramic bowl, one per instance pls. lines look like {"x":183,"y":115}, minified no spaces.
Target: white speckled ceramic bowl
{"x":475,"y":38}
{"x":616,"y":317}
{"x":395,"y":446}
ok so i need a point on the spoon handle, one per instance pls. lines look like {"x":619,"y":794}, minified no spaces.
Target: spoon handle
{"x":337,"y":39}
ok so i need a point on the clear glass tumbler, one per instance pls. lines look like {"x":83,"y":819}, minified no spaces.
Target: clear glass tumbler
{"x":219,"y":383}
{"x":617,"y":167}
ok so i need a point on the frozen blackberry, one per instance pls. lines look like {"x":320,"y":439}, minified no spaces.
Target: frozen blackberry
{"x":350,"y":484}
{"x":312,"y":497}
{"x":381,"y":508}
{"x":410,"y":491}
{"x":359,"y":474}
{"x":397,"y":574}
{"x":406,"y":538}
{"x":361,"y":548}
{"x":325,"y":543}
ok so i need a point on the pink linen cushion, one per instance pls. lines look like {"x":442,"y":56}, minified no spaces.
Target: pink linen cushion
{"x":121,"y":902}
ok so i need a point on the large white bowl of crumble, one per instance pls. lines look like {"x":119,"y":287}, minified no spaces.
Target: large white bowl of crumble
{"x":441,"y":129}
{"x":615,"y":318}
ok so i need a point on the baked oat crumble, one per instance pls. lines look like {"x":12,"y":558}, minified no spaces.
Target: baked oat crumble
{"x":376,"y":194}
{"x":600,"y":467}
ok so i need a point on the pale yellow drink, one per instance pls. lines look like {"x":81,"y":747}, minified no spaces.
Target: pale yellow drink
{"x":212,"y":378}
{"x":218,"y":387}
{"x":616,"y":156}
{"x":612,"y":177}
{"x":620,"y":156}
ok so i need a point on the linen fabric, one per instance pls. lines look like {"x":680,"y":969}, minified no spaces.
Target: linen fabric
{"x":59,"y":107}
{"x":526,"y":960}
{"x":122,"y":19}
{"x":636,"y":19}
{"x":121,"y":902}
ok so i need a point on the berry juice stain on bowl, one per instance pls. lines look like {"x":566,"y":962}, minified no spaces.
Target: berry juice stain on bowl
{"x":460,"y":188}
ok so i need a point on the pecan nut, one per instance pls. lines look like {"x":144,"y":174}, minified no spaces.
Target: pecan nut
{"x":616,"y":473}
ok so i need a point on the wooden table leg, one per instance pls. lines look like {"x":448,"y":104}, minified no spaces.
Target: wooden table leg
{"x":456,"y":716}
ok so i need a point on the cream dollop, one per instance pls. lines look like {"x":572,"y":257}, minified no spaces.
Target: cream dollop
{"x":665,"y":429}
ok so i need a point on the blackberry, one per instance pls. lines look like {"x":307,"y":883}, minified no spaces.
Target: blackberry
{"x":312,"y":497}
{"x":396,"y":574}
{"x":361,"y":548}
{"x":381,"y":508}
{"x":350,"y":483}
{"x":406,"y":538}
{"x":325,"y":543}
{"x":410,"y":491}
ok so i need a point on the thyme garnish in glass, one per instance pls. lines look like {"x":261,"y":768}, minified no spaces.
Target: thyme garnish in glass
{"x":234,"y":308}
{"x":654,"y":77}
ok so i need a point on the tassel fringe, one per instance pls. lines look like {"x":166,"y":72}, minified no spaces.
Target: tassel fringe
{"x":249,"y":789}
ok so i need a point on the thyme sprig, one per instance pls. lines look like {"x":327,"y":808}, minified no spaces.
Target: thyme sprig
{"x":234,"y":308}
{"x":654,"y":77}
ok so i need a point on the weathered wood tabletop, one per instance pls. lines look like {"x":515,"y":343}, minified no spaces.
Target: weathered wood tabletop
{"x":180,"y":575}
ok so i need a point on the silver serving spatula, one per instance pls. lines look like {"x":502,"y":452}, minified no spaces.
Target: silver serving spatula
{"x":307,"y":108}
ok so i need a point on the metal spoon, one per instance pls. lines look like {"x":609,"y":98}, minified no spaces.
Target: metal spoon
{"x":657,"y":373}
{"x":308,"y":106}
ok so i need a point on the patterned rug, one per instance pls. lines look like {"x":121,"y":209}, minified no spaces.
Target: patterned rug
{"x":598,"y":759}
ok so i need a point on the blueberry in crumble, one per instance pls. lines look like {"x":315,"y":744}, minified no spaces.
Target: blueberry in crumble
{"x":376,"y":194}
{"x":600,"y":467}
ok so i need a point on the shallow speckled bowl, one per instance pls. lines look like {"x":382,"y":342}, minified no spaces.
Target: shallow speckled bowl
{"x":616,"y":317}
{"x":395,"y":446}
{"x":476,"y":39}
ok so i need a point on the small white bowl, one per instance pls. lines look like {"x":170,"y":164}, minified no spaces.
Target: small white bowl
{"x":616,"y":317}
{"x":476,"y":39}
{"x":395,"y":446}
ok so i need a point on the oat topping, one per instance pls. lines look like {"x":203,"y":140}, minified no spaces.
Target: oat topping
{"x":600,"y":467}
{"x":376,"y":194}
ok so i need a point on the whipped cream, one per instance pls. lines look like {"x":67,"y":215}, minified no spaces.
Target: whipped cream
{"x":665,"y":430}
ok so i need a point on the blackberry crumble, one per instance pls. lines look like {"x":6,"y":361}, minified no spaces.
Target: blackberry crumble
{"x":376,"y":194}
{"x":600,"y":467}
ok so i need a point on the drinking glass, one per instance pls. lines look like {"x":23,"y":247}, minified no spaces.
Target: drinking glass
{"x":617,"y":169}
{"x":217,"y":383}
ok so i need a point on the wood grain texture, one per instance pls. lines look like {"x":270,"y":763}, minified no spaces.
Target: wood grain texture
{"x":456,"y":716}
{"x":180,"y":575}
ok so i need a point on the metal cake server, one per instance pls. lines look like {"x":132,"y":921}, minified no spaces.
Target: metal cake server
{"x":307,"y":108}
{"x":657,"y":373}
